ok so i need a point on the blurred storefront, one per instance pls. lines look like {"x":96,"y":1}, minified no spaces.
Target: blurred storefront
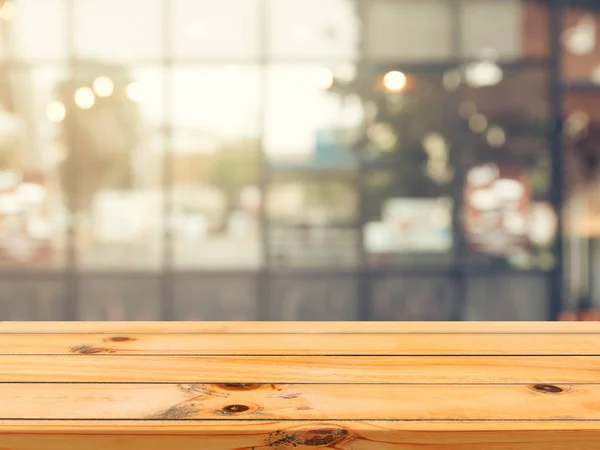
{"x":298,"y":159}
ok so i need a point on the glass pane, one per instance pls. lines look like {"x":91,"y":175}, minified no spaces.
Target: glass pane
{"x":580,"y":43}
{"x":118,"y":30}
{"x":409,"y":219}
{"x":406,"y":121}
{"x":37,"y":29}
{"x":216,"y":164}
{"x":31,"y":299}
{"x":582,"y":210}
{"x":32,"y":211}
{"x":412,"y":298}
{"x":299,"y":298}
{"x":507,"y":298}
{"x":505,"y":96}
{"x":228,"y":297}
{"x":113,"y":155}
{"x":308,"y":125}
{"x":313,"y":28}
{"x":216,"y":29}
{"x":408,"y":30}
{"x":312,"y":221}
{"x":493,"y":27}
{"x":108,"y":298}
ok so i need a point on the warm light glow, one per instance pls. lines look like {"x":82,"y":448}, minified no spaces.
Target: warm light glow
{"x":134,"y":91}
{"x":84,"y":97}
{"x":496,"y":137}
{"x":6,"y":12}
{"x":581,"y":39}
{"x":103,"y":86}
{"x":394,"y":81}
{"x":482,"y":74}
{"x":478,"y":123}
{"x":324,"y":78}
{"x":56,"y":111}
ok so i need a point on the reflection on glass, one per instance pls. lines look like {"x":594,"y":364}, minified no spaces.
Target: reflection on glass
{"x":118,"y":30}
{"x":313,"y":28}
{"x":216,"y":163}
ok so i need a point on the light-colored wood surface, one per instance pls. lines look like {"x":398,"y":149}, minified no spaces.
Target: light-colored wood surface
{"x":299,"y":402}
{"x":300,"y":369}
{"x":250,"y":386}
{"x":299,"y":327}
{"x":300,"y":344}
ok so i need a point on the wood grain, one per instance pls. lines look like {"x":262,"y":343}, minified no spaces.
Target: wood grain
{"x":300,"y":327}
{"x":300,"y":402}
{"x":250,"y":386}
{"x":267,"y":435}
{"x":298,"y":344}
{"x":301,"y":369}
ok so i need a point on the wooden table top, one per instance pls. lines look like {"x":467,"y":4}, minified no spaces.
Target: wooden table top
{"x":251,"y":386}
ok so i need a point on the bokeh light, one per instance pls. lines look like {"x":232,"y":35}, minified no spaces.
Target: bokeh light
{"x":394,"y":81}
{"x":56,"y":111}
{"x":84,"y":97}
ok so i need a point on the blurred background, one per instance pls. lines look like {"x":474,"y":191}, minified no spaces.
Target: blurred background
{"x":298,"y":159}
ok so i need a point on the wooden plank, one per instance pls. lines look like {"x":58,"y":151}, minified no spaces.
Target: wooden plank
{"x":298,"y":344}
{"x":265,"y":435}
{"x":300,"y":327}
{"x":300,"y":401}
{"x":301,"y":369}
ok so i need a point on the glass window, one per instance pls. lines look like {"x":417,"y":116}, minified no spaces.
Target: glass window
{"x":490,"y":26}
{"x":32,"y":299}
{"x":216,"y":297}
{"x":413,"y":298}
{"x":215,"y":29}
{"x":307,"y":123}
{"x":409,"y":218}
{"x":406,"y":118}
{"x":32,"y":206}
{"x":37,"y":27}
{"x":408,"y":30}
{"x":517,"y":297}
{"x":516,"y":97}
{"x":312,"y":221}
{"x":216,"y":165}
{"x":112,"y":135}
{"x":580,"y":45}
{"x":322,"y":298}
{"x":118,"y":30}
{"x":312,"y":28}
{"x":119,"y":298}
